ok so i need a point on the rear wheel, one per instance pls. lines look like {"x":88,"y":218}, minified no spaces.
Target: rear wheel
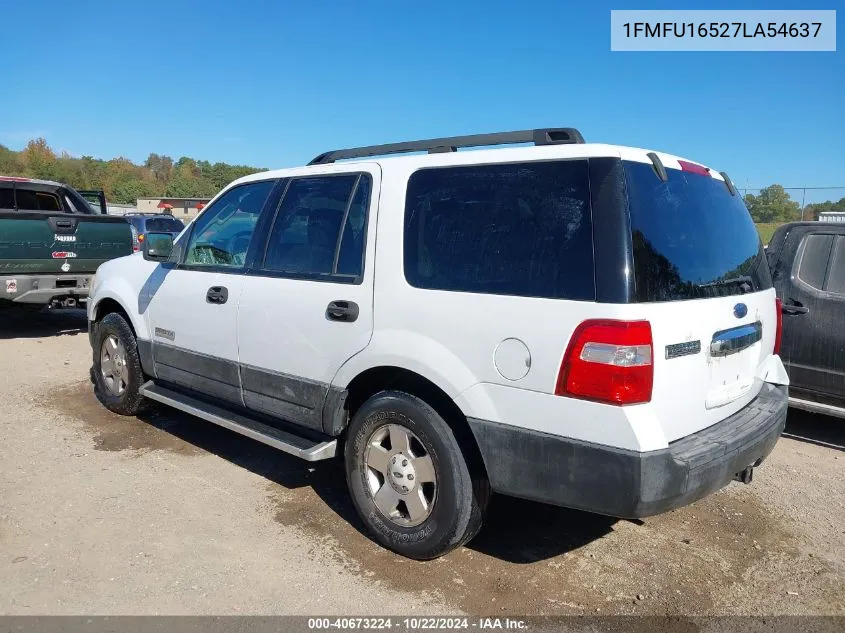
{"x":408,"y":478}
{"x":117,"y":367}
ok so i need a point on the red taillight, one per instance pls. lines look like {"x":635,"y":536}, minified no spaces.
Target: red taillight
{"x":608,"y":361}
{"x":140,"y":237}
{"x":779,"y":330}
{"x":694,"y":168}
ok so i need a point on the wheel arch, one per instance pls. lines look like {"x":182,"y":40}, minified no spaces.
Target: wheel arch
{"x":380,"y":378}
{"x":110,"y":302}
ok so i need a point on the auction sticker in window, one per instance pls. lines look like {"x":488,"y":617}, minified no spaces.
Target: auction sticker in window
{"x":11,"y":286}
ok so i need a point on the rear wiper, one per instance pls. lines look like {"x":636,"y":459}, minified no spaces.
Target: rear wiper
{"x":743,"y":281}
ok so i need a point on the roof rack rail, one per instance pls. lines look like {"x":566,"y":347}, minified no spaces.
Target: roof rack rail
{"x":544,"y":136}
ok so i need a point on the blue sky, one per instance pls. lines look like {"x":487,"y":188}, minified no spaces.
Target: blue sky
{"x":274,"y":83}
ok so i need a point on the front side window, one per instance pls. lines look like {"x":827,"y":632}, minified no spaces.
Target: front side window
{"x":521,"y":229}
{"x":320,"y":227}
{"x":222,"y":234}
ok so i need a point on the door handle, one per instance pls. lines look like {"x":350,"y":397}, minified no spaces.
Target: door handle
{"x":793,"y":307}
{"x":342,"y":311}
{"x":217,"y":294}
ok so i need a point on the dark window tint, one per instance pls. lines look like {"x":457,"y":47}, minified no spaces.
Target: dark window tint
{"x":306,"y":236}
{"x":814,"y":260}
{"x":350,"y":258}
{"x":29,"y":200}
{"x":836,"y":270}
{"x":222,"y":234}
{"x":691,"y":238}
{"x":517,"y":229}
{"x":7,"y":198}
{"x":163,"y":224}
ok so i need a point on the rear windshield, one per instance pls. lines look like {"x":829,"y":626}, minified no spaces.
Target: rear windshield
{"x":692,"y":239}
{"x":164,"y":225}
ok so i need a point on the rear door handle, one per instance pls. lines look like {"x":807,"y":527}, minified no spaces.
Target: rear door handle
{"x":793,"y":307}
{"x":217,"y":294}
{"x":342,"y":311}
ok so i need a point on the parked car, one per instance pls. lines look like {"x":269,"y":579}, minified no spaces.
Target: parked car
{"x":143,"y":223}
{"x":807,"y":260}
{"x":51,"y":242}
{"x":591,"y":326}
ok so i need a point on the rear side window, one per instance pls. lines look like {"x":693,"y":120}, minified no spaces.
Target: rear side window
{"x":521,"y":229}
{"x":7,"y":198}
{"x":822,"y":264}
{"x":691,"y":238}
{"x":836,"y":270}
{"x":320,"y":227}
{"x":814,"y":259}
{"x":29,"y":200}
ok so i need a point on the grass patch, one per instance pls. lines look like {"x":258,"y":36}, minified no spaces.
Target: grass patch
{"x":766,"y":230}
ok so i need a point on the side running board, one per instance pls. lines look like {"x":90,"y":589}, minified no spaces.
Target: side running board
{"x":301,"y":447}
{"x":817,"y":407}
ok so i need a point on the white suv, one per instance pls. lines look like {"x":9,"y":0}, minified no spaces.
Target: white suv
{"x":586,"y":325}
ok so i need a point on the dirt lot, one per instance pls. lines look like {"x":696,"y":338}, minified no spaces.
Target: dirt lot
{"x":107,"y":515}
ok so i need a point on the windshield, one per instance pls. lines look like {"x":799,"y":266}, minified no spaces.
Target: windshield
{"x":692,"y":239}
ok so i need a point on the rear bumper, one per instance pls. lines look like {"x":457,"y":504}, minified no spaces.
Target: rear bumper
{"x":41,"y":289}
{"x":624,"y":483}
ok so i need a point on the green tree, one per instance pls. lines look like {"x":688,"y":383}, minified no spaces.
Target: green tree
{"x":812,"y":211}
{"x":10,"y":163}
{"x":772,"y":204}
{"x":121,"y":179}
{"x":160,"y":166}
{"x":39,"y":161}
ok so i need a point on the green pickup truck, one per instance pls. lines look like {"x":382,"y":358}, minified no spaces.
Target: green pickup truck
{"x":52,"y":241}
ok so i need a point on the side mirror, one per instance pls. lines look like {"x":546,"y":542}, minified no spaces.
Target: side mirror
{"x":158,"y":246}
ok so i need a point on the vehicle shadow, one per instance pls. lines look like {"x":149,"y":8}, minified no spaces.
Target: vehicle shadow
{"x":515,"y":531}
{"x":16,"y":322}
{"x":815,"y":428}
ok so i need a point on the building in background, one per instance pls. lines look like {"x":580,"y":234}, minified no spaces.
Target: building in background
{"x":183,"y":208}
{"x":116,"y":208}
{"x":832,"y":216}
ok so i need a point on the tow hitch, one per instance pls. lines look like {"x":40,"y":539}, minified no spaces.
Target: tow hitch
{"x":745,"y":476}
{"x":63,"y":302}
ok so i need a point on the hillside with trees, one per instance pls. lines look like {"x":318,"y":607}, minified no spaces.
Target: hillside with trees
{"x":122,"y":180}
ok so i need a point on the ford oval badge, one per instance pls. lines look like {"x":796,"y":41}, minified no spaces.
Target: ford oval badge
{"x":740,"y":310}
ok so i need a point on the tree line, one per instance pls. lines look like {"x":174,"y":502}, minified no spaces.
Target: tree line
{"x":773,"y":205}
{"x":122,"y":180}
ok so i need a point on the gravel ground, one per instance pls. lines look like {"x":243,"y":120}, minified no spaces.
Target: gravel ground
{"x":101,"y":514}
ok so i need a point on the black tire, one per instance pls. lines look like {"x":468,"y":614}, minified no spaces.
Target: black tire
{"x":457,"y":512}
{"x":130,"y":401}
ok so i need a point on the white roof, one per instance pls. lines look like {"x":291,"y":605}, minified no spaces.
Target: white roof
{"x":411,"y":162}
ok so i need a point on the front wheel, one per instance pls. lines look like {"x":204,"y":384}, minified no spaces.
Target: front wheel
{"x":408,"y":478}
{"x":117,"y":367}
